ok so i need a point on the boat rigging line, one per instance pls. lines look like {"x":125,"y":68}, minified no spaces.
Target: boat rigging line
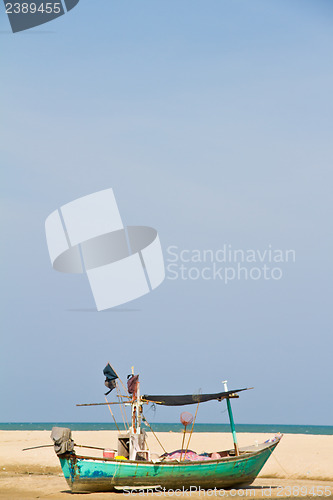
{"x":112,"y":414}
{"x":150,"y":427}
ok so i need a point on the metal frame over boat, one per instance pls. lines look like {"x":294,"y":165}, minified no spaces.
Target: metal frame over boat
{"x":134,"y":468}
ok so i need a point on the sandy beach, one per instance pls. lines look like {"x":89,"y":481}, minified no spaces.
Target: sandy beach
{"x":301,"y":466}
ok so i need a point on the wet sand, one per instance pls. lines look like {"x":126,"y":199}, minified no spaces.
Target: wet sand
{"x":300,"y":467}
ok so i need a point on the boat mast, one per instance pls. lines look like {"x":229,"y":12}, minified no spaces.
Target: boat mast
{"x":231,"y":418}
{"x":136,"y":410}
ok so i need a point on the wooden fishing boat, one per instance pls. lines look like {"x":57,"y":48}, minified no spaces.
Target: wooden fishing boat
{"x":135,"y":468}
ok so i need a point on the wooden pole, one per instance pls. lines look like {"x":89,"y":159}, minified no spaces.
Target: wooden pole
{"x":101,"y":404}
{"x":189,"y":439}
{"x":49,"y":445}
{"x":41,"y":446}
{"x":181,"y":453}
{"x":231,"y":418}
{"x":118,"y":378}
{"x":91,"y":447}
{"x":121,"y":407}
{"x":112,"y":413}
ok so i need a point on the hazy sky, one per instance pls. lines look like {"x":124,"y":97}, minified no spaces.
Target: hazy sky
{"x":212,"y":122}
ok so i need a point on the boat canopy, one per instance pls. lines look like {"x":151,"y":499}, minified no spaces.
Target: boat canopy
{"x":190,"y":399}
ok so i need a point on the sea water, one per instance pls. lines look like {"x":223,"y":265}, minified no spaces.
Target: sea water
{"x":171,"y":427}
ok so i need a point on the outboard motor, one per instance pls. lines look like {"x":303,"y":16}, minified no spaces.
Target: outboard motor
{"x":62,"y":438}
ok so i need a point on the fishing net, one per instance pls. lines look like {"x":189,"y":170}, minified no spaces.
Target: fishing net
{"x":186,"y":418}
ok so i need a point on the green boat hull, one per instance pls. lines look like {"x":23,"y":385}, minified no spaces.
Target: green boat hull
{"x":87,"y":474}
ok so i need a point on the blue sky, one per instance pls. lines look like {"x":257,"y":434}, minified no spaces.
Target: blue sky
{"x":212,"y":122}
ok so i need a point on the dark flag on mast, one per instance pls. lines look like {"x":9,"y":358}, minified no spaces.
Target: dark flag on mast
{"x":111,"y":377}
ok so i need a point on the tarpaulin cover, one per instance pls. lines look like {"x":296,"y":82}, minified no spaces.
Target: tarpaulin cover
{"x":189,"y":399}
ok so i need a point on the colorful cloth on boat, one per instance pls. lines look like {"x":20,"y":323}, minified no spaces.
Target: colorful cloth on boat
{"x":190,"y":455}
{"x":274,"y":438}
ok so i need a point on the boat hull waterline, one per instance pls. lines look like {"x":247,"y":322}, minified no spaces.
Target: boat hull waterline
{"x":88,"y":474}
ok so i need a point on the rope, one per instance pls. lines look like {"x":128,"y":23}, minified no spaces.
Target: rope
{"x":125,"y":388}
{"x":159,"y":442}
{"x":277,"y":461}
{"x":112,"y":413}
